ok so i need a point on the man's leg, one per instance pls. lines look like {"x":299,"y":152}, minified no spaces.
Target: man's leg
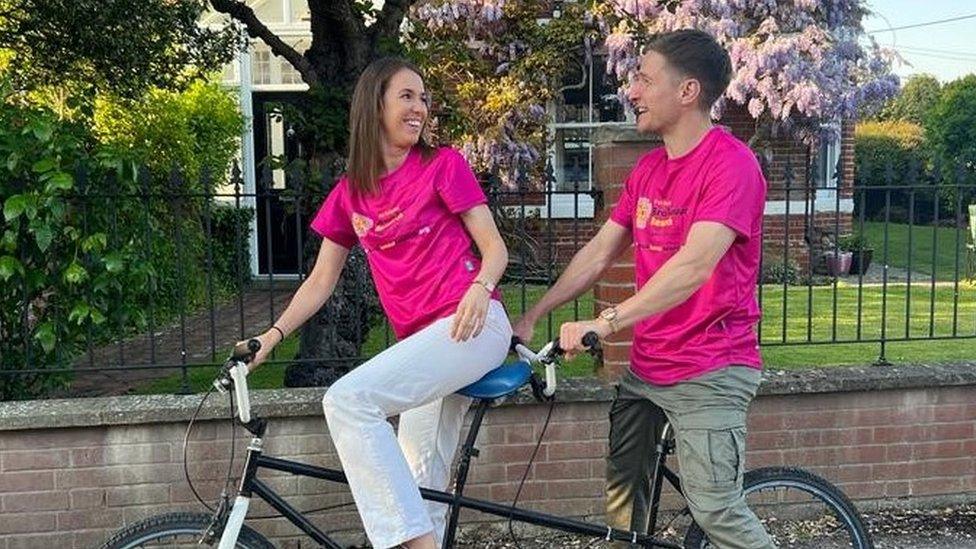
{"x":635,"y":426}
{"x":708,"y":414}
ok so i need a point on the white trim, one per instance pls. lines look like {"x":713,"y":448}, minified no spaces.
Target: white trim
{"x":247,"y":153}
{"x":821,"y":205}
{"x":560,"y":210}
{"x":279,"y":87}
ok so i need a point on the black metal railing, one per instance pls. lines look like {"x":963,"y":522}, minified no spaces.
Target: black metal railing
{"x":192,"y":268}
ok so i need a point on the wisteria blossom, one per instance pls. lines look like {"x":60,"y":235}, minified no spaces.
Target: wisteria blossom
{"x":798,"y":64}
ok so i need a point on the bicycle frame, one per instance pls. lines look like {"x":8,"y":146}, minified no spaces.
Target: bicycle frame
{"x":252,"y":486}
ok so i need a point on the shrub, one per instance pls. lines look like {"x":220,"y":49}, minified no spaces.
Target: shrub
{"x":887,"y":154}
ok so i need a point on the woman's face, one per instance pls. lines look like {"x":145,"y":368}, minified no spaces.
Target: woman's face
{"x":404,"y":109}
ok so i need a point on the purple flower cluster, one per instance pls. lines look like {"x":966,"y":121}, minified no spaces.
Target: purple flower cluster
{"x":469,"y":15}
{"x":797,"y":63}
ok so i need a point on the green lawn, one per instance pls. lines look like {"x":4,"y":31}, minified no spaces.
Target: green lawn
{"x":810,"y":317}
{"x":944,"y":241}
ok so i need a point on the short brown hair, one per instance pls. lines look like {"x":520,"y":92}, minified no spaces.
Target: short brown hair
{"x":365,"y":154}
{"x":696,"y":54}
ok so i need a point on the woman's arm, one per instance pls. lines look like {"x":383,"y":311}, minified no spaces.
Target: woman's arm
{"x":473,"y":309}
{"x":308,"y":299}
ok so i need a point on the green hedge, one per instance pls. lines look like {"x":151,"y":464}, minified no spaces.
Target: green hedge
{"x":887,"y":154}
{"x":90,"y":248}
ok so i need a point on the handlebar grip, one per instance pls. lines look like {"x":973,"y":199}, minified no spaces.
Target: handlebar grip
{"x":516,"y":340}
{"x":592,"y":341}
{"x":244,"y":351}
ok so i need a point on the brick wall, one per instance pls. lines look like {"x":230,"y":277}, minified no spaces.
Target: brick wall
{"x":557,"y":240}
{"x":891,"y":442}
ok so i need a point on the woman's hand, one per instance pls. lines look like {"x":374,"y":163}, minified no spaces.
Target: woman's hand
{"x":269,"y":340}
{"x":471,"y":313}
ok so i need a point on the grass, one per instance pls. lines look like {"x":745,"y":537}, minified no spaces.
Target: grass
{"x":927,"y":243}
{"x":810,"y":317}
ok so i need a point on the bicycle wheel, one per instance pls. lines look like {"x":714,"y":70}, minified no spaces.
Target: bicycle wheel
{"x":177,"y":530}
{"x":800,"y":510}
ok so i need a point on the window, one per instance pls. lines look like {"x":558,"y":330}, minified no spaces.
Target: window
{"x":261,"y":66}
{"x":588,"y":100}
{"x":824,"y":168}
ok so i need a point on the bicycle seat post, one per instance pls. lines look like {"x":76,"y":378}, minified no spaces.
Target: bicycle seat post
{"x":468,"y":451}
{"x":664,"y":446}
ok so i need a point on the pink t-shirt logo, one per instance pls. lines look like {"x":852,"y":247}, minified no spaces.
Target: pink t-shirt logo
{"x":643,"y":212}
{"x":361,"y":224}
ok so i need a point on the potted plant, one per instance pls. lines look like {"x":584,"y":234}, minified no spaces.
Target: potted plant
{"x":838,"y":263}
{"x":861,"y":252}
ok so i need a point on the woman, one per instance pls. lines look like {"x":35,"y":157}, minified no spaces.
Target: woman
{"x":415,"y":210}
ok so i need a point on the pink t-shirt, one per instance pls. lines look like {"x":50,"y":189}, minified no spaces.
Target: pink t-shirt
{"x":719,"y":180}
{"x":418,"y":249}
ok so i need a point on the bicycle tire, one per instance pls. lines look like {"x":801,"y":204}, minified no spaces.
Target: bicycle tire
{"x":854,"y":534}
{"x":174,"y":526}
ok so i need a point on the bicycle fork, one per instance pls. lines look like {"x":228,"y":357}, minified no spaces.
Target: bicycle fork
{"x":228,"y":523}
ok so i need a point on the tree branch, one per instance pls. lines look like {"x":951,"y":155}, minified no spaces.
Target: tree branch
{"x":389,"y":19}
{"x":239,"y":11}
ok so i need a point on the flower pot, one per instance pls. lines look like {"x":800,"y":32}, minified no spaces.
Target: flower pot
{"x":860,"y":261}
{"x":838,"y":264}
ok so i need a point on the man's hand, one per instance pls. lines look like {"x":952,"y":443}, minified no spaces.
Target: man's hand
{"x":524,"y":329}
{"x":571,"y":335}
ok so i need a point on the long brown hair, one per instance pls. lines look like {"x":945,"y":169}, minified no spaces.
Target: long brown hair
{"x":366,"y":164}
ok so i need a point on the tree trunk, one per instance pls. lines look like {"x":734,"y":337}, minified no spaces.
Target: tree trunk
{"x":331,"y":341}
{"x":342,"y":45}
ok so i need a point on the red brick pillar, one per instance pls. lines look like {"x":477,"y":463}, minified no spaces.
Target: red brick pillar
{"x":616,"y":152}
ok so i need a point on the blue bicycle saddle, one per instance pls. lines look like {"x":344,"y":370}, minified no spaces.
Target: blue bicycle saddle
{"x":499,"y":382}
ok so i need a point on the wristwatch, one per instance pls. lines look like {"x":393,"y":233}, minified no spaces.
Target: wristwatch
{"x":610,"y":315}
{"x":487,"y":285}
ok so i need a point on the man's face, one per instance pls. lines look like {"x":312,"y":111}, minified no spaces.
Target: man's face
{"x":656,"y":94}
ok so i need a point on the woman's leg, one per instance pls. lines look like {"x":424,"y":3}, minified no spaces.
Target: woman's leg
{"x":421,"y":369}
{"x":429,"y":438}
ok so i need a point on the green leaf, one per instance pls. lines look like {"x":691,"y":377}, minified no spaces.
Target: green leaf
{"x":42,"y":130}
{"x":60,"y":181}
{"x":9,"y":241}
{"x":14,"y":206}
{"x":12,"y":161}
{"x":114,"y":262}
{"x":95,"y":242}
{"x":43,"y":235}
{"x":46,"y":337}
{"x":44,"y":165}
{"x":79,"y":313}
{"x":8,"y":266}
{"x":75,"y":273}
{"x":97,"y":317}
{"x":56,"y":206}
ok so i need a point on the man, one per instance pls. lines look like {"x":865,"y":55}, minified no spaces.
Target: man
{"x":693,"y":210}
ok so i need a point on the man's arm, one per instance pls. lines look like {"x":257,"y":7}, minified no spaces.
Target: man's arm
{"x":586,"y":267}
{"x":671,"y":285}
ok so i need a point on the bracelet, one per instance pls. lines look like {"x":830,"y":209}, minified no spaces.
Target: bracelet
{"x":484,"y":285}
{"x":275,"y":327}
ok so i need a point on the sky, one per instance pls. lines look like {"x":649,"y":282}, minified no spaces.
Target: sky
{"x":945,"y":50}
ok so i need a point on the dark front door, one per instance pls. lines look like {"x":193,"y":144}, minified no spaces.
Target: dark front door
{"x":278,"y":225}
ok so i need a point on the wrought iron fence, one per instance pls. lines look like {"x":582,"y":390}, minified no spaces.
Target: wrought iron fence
{"x":207,"y":268}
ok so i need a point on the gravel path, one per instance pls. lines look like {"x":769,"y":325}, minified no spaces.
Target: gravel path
{"x":940,"y":528}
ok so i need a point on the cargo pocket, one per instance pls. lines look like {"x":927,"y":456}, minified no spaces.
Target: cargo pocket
{"x":711,"y":457}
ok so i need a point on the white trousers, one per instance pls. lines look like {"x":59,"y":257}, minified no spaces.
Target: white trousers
{"x":416,"y":378}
